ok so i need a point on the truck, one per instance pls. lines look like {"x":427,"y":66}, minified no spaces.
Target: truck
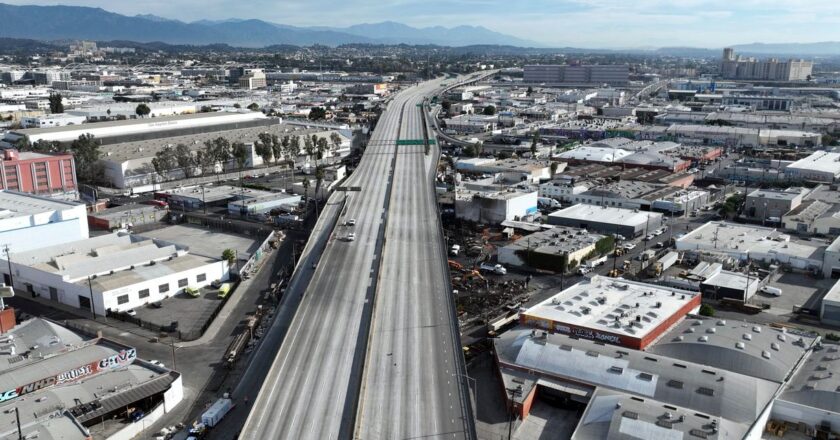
{"x":547,"y":203}
{"x":592,"y":263}
{"x":217,"y":412}
{"x":497,"y":269}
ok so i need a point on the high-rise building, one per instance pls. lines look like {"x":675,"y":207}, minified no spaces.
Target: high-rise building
{"x":613,"y":74}
{"x":749,"y":68}
{"x":253,"y":79}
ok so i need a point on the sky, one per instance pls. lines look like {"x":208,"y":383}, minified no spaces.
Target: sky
{"x":615,"y":24}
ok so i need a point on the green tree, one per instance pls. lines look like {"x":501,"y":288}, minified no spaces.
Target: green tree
{"x":86,"y":155}
{"x":44,"y":146}
{"x":253,"y":106}
{"x":263,"y":147}
{"x":322,"y":145}
{"x":278,"y":147}
{"x":529,"y":91}
{"x":184,"y":159}
{"x":335,"y":140}
{"x":489,"y":110}
{"x":554,"y":166}
{"x":236,"y":105}
{"x":221,"y":151}
{"x":707,"y":310}
{"x":317,"y":113}
{"x":308,"y":147}
{"x":240,"y":153}
{"x":165,"y":161}
{"x":229,"y":255}
{"x":142,"y":110}
{"x":56,"y":103}
{"x":319,"y":179}
{"x":446,"y":105}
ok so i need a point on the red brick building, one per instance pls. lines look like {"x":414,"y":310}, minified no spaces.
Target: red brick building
{"x":38,"y":173}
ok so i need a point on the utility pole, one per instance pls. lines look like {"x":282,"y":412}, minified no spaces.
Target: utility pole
{"x":9,"y":260}
{"x":92,"y":302}
{"x":17,"y":420}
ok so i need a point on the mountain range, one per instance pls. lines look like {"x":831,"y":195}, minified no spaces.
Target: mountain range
{"x":77,"y":22}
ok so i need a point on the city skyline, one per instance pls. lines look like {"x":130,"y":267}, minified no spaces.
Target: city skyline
{"x":606,"y":24}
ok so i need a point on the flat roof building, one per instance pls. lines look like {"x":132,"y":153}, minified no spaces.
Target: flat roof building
{"x":821,"y":166}
{"x":607,"y":220}
{"x":542,"y":249}
{"x":30,"y":222}
{"x":612,"y":310}
{"x":753,"y":242}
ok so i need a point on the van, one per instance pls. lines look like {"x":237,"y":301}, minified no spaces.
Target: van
{"x":773,"y":291}
{"x":224,"y":290}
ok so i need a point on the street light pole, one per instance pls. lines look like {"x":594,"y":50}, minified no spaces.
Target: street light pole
{"x":475,"y":385}
{"x":92,"y":302}
{"x":9,"y":260}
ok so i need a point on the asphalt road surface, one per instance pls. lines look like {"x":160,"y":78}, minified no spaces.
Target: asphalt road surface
{"x":414,"y":384}
{"x":311,"y":390}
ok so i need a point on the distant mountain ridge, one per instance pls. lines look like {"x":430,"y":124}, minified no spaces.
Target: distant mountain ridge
{"x":78,"y":22}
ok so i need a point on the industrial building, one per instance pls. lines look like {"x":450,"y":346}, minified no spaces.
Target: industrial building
{"x":607,"y":219}
{"x":38,"y":173}
{"x":31,"y":222}
{"x":770,"y":205}
{"x":58,"y":385}
{"x":821,"y":166}
{"x":115,"y":272}
{"x":570,"y":243}
{"x":596,"y":74}
{"x":494,"y":207}
{"x":615,"y":311}
{"x":126,"y":216}
{"x":508,"y":170}
{"x":743,"y":242}
{"x":127,"y":130}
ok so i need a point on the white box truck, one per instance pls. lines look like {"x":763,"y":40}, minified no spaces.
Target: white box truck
{"x":216,"y":412}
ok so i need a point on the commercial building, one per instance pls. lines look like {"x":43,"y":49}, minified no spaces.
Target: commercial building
{"x":250,"y":204}
{"x":58,"y":385}
{"x":253,"y":79}
{"x":607,"y":219}
{"x":469,"y":123}
{"x":114,"y":272}
{"x":51,"y":120}
{"x":744,"y":242}
{"x":38,"y":173}
{"x":716,"y":283}
{"x":771,"y":205}
{"x":617,"y":75}
{"x":545,"y":248}
{"x":758,"y":103}
{"x":813,"y":217}
{"x":494,"y":207}
{"x":31,"y":222}
{"x":738,"y":67}
{"x":830,"y":306}
{"x":615,"y":311}
{"x":821,"y":166}
{"x":127,"y":216}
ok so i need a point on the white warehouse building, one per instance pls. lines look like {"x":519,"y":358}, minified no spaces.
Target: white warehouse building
{"x":116,"y":272}
{"x":30,"y":222}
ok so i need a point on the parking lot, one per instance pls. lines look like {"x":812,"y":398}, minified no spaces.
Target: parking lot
{"x":190,"y":314}
{"x":797,"y":290}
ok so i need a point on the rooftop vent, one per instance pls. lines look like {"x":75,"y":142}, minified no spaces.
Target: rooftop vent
{"x":747,"y":336}
{"x":739,"y":345}
{"x":765,"y":354}
{"x":703,"y":339}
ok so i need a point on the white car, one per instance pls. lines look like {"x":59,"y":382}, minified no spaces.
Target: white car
{"x":629,"y":246}
{"x":157,"y":363}
{"x":131,"y":312}
{"x":351,"y":222}
{"x":351,"y":236}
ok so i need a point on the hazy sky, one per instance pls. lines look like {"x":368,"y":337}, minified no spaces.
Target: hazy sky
{"x":582,"y":23}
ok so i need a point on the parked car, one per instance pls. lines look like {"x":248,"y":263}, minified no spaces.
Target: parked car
{"x":629,"y":246}
{"x":157,"y":363}
{"x":192,"y":291}
{"x":131,"y":312}
{"x":156,"y":305}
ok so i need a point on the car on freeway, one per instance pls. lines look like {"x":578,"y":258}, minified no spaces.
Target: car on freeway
{"x":649,"y":237}
{"x":351,"y":222}
{"x":351,"y":236}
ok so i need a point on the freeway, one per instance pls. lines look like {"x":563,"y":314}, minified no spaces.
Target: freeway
{"x":414,"y":383}
{"x":311,"y":390}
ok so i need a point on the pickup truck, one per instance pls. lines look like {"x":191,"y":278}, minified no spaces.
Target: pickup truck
{"x":497,"y":269}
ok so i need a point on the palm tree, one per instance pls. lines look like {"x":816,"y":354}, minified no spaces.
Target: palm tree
{"x":305,"y":184}
{"x":335,"y":138}
{"x":293,"y":151}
